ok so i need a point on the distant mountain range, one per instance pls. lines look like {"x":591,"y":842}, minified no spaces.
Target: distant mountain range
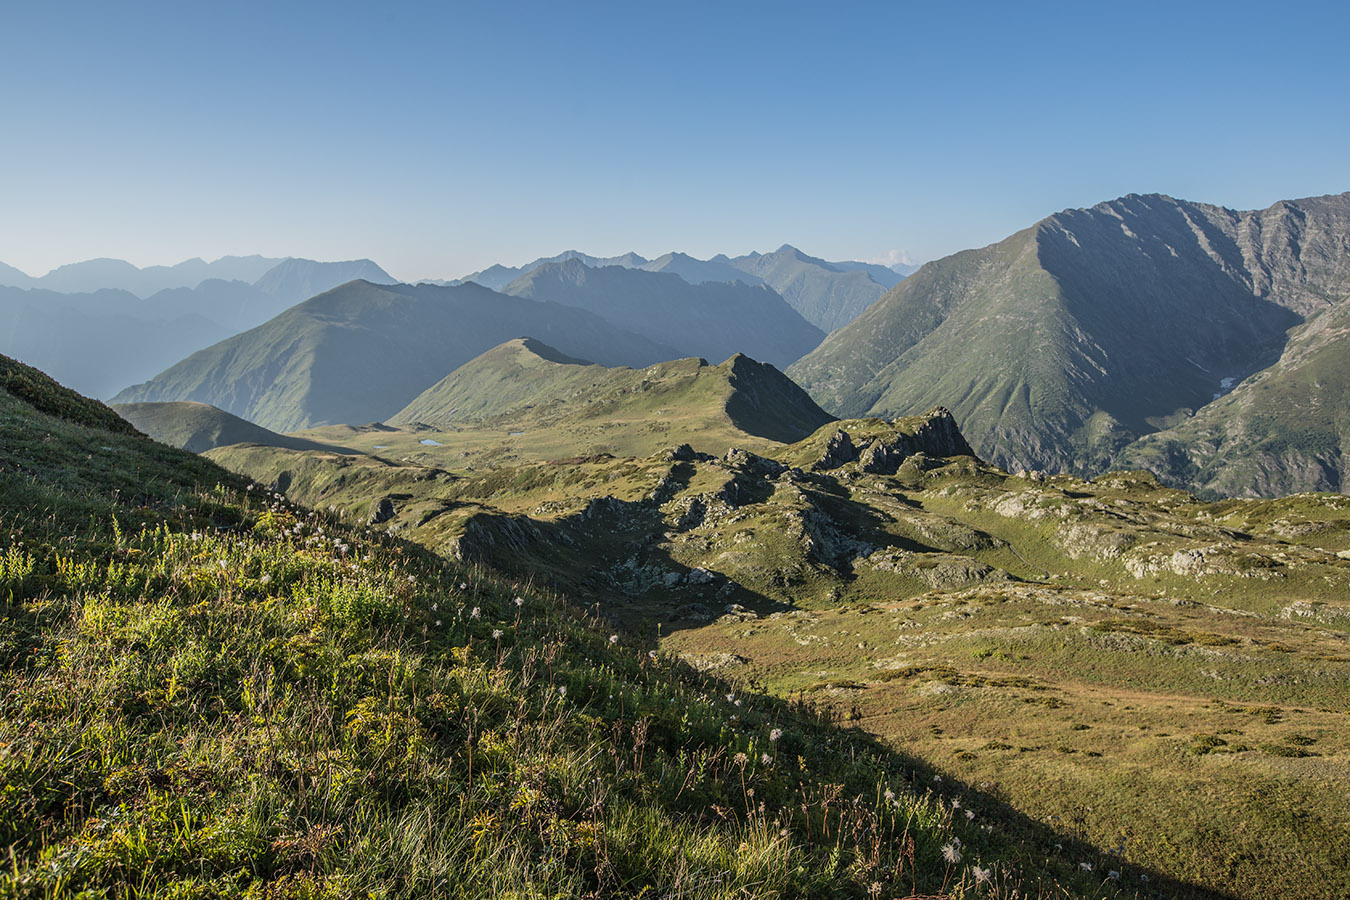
{"x":713,"y":319}
{"x":360,"y":352}
{"x":1114,"y":335}
{"x":826,"y":294}
{"x":109,"y":333}
{"x":117,"y":274}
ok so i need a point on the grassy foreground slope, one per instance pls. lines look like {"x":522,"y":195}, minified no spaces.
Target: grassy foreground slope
{"x":210,"y":692}
{"x":1127,"y":665}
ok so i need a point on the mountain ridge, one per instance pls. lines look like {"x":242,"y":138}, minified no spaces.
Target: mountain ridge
{"x":1067,"y":341}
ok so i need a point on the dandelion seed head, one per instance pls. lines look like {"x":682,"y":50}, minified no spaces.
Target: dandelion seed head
{"x":1113,"y":875}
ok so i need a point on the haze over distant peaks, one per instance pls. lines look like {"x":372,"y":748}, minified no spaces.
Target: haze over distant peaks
{"x":98,"y":274}
{"x":826,"y":294}
{"x":711,"y":319}
{"x":360,"y":352}
{"x":101,"y":339}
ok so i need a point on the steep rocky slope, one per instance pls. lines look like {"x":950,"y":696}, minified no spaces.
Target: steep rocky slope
{"x":1062,"y":344}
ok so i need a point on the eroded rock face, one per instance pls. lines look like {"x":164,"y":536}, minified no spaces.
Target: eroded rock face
{"x":383,"y":512}
{"x":838,"y":451}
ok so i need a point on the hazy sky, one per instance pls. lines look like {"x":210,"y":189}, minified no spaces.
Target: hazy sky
{"x":438,"y":138}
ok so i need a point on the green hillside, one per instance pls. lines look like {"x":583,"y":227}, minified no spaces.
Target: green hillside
{"x":360,"y":352}
{"x":1164,"y":678}
{"x":1062,"y":344}
{"x":525,"y":401}
{"x":212,"y":692}
{"x":198,"y":427}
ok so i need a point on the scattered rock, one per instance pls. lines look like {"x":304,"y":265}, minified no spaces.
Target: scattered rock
{"x":383,"y":512}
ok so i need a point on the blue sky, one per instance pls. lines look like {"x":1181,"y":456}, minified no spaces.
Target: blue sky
{"x":439,"y":138}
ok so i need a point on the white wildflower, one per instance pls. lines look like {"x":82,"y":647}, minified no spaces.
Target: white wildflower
{"x":982,"y":876}
{"x":562,"y":690}
{"x":765,"y":758}
{"x":889,"y":795}
{"x":970,"y":815}
{"x":774,"y":735}
{"x":951,"y":854}
{"x":496,"y":634}
{"x":613,"y":638}
{"x":474,"y":613}
{"x":520,"y":601}
{"x":1085,"y":866}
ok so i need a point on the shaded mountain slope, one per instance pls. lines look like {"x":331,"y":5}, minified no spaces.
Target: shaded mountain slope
{"x":1063,"y":343}
{"x":362,"y":351}
{"x":712,"y":319}
{"x":1284,"y":430}
{"x":198,"y":427}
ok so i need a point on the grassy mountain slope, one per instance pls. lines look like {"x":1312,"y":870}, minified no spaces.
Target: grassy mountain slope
{"x":1065,"y":342}
{"x":211,"y":692}
{"x":360,"y":352}
{"x":524,"y":397}
{"x":826,"y":295}
{"x":1282,"y":430}
{"x":198,"y":427}
{"x":1150,"y":673}
{"x":712,"y":319}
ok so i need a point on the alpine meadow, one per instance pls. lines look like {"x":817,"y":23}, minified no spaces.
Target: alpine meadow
{"x":988,"y":541}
